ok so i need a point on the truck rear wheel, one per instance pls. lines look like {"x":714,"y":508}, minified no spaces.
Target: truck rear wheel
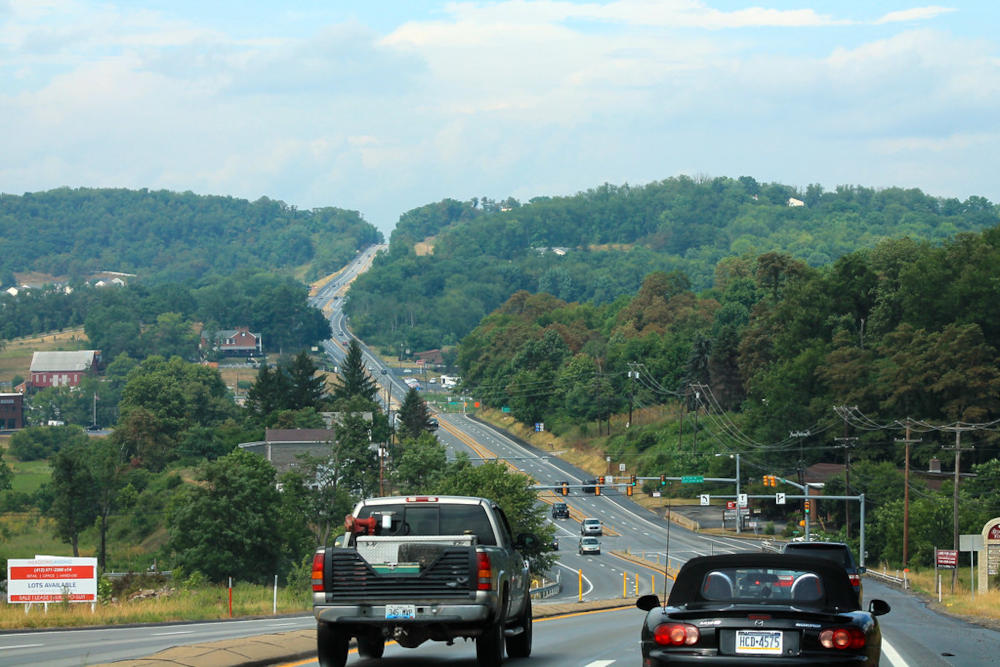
{"x":331,"y":645}
{"x":519,"y":646}
{"x":371,"y":645}
{"x":489,"y":645}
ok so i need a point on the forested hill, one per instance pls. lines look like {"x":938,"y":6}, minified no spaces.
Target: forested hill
{"x":599,"y":245}
{"x":169,"y":236}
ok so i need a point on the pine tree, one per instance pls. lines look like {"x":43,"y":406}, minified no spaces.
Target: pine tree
{"x":305,"y":387}
{"x":414,"y":418}
{"x":354,"y":379}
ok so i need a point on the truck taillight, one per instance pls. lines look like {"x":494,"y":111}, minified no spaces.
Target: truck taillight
{"x":317,"y":571}
{"x":485,"y":580}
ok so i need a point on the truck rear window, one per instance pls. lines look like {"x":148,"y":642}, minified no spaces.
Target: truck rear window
{"x":427,"y":519}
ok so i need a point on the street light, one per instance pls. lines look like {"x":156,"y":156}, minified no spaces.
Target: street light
{"x":739,"y":510}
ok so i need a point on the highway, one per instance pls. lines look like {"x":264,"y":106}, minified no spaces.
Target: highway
{"x":912,"y":634}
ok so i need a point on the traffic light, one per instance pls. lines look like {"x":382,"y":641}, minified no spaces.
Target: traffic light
{"x":663,"y":479}
{"x":633,"y":482}
{"x":767,"y":480}
{"x":600,"y":480}
{"x":628,"y":489}
{"x":565,"y":488}
{"x":808,"y":506}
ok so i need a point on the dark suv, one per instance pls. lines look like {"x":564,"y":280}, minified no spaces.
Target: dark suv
{"x":838,"y":552}
{"x":560,"y":511}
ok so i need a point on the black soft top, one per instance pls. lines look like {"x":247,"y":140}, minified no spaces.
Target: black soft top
{"x":839,"y":592}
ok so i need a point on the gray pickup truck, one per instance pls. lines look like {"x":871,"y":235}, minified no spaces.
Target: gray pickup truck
{"x":423,"y":567}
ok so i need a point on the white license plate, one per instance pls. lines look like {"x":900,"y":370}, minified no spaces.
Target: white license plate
{"x":394,"y":611}
{"x":763,"y":642}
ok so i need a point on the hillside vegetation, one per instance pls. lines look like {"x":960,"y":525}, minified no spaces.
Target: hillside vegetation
{"x":600,"y":244}
{"x":168,"y":236}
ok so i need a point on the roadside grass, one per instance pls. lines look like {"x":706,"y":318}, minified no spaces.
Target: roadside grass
{"x":180,"y":604}
{"x":961,"y":601}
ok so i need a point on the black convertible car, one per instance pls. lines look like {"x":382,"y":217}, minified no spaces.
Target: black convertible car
{"x":761,"y":609}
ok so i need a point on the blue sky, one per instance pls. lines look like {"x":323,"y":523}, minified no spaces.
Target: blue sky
{"x":384,"y":106}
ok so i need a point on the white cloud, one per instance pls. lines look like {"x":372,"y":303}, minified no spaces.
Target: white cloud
{"x":915,"y":14}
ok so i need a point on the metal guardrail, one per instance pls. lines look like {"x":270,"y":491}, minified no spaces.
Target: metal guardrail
{"x":886,"y":578}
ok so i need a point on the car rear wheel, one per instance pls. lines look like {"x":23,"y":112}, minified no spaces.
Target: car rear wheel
{"x":519,"y":646}
{"x":331,"y":645}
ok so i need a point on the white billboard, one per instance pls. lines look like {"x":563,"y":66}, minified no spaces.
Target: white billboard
{"x":51,"y":579}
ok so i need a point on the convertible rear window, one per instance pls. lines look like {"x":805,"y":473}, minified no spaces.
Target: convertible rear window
{"x":762,"y":585}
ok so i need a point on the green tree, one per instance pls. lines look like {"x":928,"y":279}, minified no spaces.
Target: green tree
{"x":6,"y":475}
{"x":42,"y":442}
{"x":74,"y":494}
{"x":419,"y":464}
{"x":268,"y":394}
{"x":513,"y":493}
{"x":354,"y":379}
{"x":313,"y":499}
{"x":413,"y":417}
{"x":229,"y":523}
{"x":171,"y":336}
{"x":107,"y":468}
{"x":305,"y":387}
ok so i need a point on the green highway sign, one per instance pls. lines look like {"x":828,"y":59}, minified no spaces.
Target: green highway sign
{"x":692,"y":479}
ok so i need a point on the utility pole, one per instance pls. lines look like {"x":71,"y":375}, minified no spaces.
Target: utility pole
{"x":801,"y":435}
{"x":633,"y":376}
{"x":906,"y":496}
{"x":958,"y":454}
{"x":848,"y":443}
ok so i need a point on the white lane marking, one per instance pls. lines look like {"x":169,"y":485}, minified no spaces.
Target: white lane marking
{"x":6,"y":648}
{"x":600,"y":663}
{"x":590,"y":586}
{"x":894,"y":657}
{"x":179,"y":632}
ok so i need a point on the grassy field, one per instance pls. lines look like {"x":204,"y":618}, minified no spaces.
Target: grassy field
{"x":15,"y":357}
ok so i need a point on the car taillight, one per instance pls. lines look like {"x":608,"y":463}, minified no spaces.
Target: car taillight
{"x":855,"y":580}
{"x":676,"y":634}
{"x":485,"y":580}
{"x":842,"y":638}
{"x":317,"y":571}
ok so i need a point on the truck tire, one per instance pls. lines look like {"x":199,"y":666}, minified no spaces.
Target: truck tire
{"x":519,"y":646}
{"x":331,"y":645}
{"x":489,"y":645}
{"x":371,"y":645}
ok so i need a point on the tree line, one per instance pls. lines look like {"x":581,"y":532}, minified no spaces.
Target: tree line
{"x":599,"y":245}
{"x":170,"y":237}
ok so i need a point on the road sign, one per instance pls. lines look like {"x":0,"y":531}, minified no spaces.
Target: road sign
{"x":742,"y":500}
{"x":779,"y":498}
{"x":692,"y":479}
{"x":704,"y":499}
{"x":947,"y":558}
{"x":621,"y":467}
{"x":730,"y":504}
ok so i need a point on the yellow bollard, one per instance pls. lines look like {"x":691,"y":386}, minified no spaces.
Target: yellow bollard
{"x":624,"y":584}
{"x":637,"y":584}
{"x":652,"y":583}
{"x":580,"y":573}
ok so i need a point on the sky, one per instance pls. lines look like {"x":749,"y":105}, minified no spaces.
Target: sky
{"x":384,"y":106}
